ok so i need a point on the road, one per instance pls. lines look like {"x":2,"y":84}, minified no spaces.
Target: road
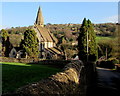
{"x":107,"y":83}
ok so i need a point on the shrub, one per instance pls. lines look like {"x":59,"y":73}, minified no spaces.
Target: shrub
{"x":114,"y":60}
{"x":107,"y":64}
{"x":110,"y":64}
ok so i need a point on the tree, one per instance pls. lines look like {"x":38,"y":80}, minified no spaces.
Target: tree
{"x":105,"y":48}
{"x":4,"y":34}
{"x":86,"y":42}
{"x":30,"y":43}
{"x":82,"y":41}
{"x":92,"y":45}
{"x":6,"y":45}
{"x":67,"y":48}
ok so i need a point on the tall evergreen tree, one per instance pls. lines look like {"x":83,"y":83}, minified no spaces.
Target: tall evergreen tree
{"x":86,"y":42}
{"x":82,"y":43}
{"x":30,"y":43}
{"x":92,"y":45}
{"x":4,"y":34}
{"x":6,"y":45}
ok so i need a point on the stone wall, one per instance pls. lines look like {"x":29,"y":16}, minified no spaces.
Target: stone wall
{"x":53,"y":63}
{"x":63,"y":83}
{"x":22,"y":60}
{"x":88,"y":79}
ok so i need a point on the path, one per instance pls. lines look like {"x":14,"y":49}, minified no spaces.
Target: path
{"x":107,"y":83}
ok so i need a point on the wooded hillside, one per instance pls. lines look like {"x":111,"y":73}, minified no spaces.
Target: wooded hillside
{"x":70,"y":31}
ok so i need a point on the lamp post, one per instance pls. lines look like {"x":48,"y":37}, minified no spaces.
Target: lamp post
{"x":88,"y":47}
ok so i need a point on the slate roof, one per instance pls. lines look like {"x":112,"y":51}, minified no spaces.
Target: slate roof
{"x":54,"y":50}
{"x":45,"y":34}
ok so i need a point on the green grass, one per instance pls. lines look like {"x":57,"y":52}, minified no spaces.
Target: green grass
{"x":98,"y":38}
{"x":15,"y":75}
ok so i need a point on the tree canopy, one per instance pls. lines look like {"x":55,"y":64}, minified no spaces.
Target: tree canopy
{"x":87,"y":46}
{"x":4,"y":34}
{"x":30,"y":43}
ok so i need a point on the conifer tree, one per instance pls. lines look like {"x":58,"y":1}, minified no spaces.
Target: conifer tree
{"x":4,"y":34}
{"x":86,"y":42}
{"x":92,"y":45}
{"x":30,"y":43}
{"x":82,"y":43}
{"x":6,"y":45}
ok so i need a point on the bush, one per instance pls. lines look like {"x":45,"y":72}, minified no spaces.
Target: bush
{"x":114,"y":60}
{"x":107,"y":64}
{"x":110,"y":64}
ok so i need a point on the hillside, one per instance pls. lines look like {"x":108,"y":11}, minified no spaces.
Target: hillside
{"x":69,"y":31}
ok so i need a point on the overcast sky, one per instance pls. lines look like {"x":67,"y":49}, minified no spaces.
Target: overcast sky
{"x":24,"y":13}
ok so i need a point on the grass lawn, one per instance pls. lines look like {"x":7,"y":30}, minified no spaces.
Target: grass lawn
{"x":98,"y":38}
{"x":15,"y":75}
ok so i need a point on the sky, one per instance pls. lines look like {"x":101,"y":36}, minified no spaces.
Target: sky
{"x":15,"y":14}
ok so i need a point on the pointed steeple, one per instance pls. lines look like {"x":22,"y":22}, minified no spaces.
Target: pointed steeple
{"x":39,"y":19}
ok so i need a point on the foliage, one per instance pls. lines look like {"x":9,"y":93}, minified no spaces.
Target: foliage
{"x":30,"y":43}
{"x":92,"y":45}
{"x":67,"y":48}
{"x":4,"y":34}
{"x":17,"y":30}
{"x":6,"y":45}
{"x":14,"y":74}
{"x":105,"y":29}
{"x":110,"y":63}
{"x":107,"y":64}
{"x":105,"y":48}
{"x":71,"y":32}
{"x":116,"y":48}
{"x":87,"y":30}
{"x":82,"y":41}
{"x":114,"y":60}
{"x":108,"y":47}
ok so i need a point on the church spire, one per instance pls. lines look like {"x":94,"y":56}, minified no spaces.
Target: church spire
{"x":39,"y":19}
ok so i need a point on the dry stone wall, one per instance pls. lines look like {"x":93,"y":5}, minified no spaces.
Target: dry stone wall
{"x":63,"y":83}
{"x":22,"y":60}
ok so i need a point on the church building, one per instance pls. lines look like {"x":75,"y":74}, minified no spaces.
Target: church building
{"x":47,"y":42}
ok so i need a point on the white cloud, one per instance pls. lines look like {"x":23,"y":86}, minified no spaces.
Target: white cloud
{"x":112,"y":19}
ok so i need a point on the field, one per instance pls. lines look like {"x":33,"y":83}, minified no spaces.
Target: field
{"x":98,"y":38}
{"x":15,"y":75}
